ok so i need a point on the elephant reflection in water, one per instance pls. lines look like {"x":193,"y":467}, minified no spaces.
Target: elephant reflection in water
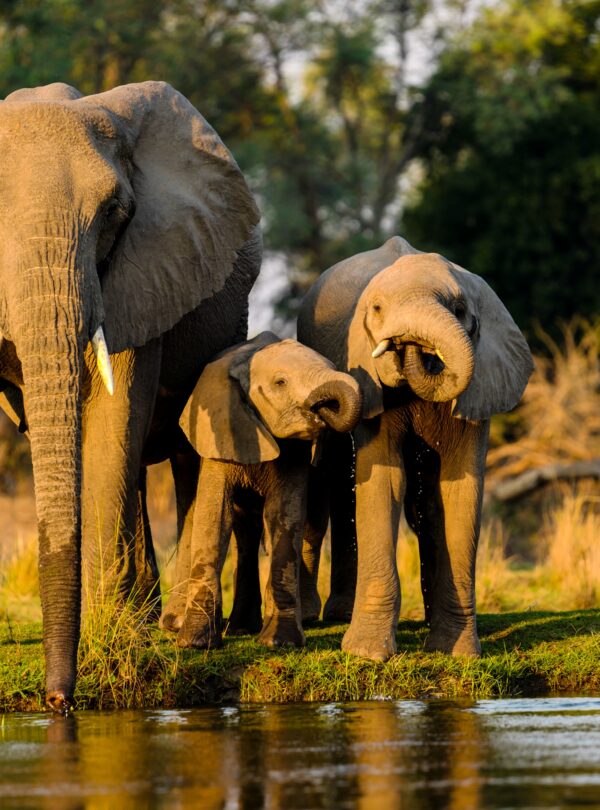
{"x":371,"y":756}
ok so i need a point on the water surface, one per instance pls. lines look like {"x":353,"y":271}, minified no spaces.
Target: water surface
{"x":535,"y":753}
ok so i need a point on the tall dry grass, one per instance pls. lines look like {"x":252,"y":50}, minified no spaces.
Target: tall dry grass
{"x":559,"y":417}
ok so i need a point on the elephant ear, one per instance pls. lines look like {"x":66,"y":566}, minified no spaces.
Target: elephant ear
{"x":361,"y":364}
{"x":193,"y":212}
{"x":503,"y":362}
{"x":218,"y":419}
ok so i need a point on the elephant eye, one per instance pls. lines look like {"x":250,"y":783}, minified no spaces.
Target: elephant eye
{"x":280,"y":382}
{"x":376,"y":307}
{"x":459,"y":309}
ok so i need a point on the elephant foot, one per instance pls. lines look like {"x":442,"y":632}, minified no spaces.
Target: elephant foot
{"x":202,"y":632}
{"x":244,"y":622}
{"x":454,"y":641}
{"x":338,"y":609}
{"x":58,"y":702}
{"x":310,"y":606}
{"x":172,"y":615}
{"x":279,"y":631}
{"x":366,"y":640}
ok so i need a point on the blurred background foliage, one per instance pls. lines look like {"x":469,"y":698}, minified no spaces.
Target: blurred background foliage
{"x":470,"y":127}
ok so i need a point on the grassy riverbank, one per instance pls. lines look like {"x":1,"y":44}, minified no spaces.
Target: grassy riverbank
{"x":522,"y":653}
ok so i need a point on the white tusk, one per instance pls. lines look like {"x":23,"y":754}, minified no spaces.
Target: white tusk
{"x":440,"y":355}
{"x":103,"y":360}
{"x":382,"y":347}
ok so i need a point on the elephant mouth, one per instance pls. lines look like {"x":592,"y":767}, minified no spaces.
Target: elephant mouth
{"x":433,"y":362}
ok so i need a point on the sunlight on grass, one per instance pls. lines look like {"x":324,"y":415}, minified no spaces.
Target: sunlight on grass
{"x":19,"y":584}
{"x":119,"y":654}
{"x":571,"y":535}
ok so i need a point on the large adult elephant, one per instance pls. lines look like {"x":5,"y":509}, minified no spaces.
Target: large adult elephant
{"x":126,"y":229}
{"x":436,"y":354}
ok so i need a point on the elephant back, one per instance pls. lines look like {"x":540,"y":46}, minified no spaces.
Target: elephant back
{"x":328,"y":307}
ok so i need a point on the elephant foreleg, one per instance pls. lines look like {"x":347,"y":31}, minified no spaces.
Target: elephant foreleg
{"x":211,"y":532}
{"x":114,"y":430}
{"x":379,"y":495}
{"x":284,"y":519}
{"x":454,"y":529}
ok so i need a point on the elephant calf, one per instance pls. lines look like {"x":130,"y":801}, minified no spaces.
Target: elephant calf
{"x":252,"y":417}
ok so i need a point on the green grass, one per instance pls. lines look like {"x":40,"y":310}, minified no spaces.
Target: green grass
{"x":523,"y":653}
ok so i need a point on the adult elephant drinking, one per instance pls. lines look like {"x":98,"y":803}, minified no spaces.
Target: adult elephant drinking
{"x":436,"y":354}
{"x":126,"y":228}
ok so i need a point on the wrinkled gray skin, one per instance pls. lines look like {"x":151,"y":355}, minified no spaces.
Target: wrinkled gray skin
{"x":122,"y":209}
{"x":252,"y":418}
{"x":449,"y":356}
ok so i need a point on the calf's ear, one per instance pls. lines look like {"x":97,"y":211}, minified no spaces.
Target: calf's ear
{"x":218,"y":420}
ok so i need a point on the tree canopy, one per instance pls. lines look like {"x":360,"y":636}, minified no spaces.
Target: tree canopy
{"x":487,"y":151}
{"x":510,"y":183}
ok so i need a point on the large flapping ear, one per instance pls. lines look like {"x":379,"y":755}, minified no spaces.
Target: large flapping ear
{"x":503,"y":362}
{"x":218,"y":419}
{"x":361,"y":364}
{"x":193,"y":212}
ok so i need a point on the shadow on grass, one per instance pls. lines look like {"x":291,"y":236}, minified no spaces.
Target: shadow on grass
{"x":527,"y":630}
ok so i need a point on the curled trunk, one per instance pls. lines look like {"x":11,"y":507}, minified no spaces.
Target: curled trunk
{"x":438,"y":353}
{"x":338,"y":402}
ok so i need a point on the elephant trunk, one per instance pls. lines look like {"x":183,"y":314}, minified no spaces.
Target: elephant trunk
{"x":338,"y":402}
{"x":48,"y":325}
{"x":438,"y":354}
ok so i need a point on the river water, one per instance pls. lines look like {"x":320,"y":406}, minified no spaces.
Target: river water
{"x":534,"y":753}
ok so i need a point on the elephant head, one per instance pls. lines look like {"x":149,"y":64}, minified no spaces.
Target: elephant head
{"x":263,"y":390}
{"x":119,"y":213}
{"x":429,"y":324}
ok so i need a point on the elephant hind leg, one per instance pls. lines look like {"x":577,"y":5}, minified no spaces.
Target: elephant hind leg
{"x":317,"y":518}
{"x":339,"y":466}
{"x":423,"y":507}
{"x":185,"y":467}
{"x":147,"y":590}
{"x":246,"y":616}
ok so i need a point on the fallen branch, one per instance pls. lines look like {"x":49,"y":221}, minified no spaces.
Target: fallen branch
{"x":533,"y":479}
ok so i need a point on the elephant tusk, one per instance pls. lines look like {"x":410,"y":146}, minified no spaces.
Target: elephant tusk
{"x":382,"y":347}
{"x":103,"y":360}
{"x":440,"y":355}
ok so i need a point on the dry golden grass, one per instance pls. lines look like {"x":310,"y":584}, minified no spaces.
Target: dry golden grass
{"x":571,"y":562}
{"x":19,"y":585}
{"x":559,"y":418}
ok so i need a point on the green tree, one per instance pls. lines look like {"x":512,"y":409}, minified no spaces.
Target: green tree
{"x":511,"y":168}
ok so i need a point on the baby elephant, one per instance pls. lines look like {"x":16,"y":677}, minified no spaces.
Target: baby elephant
{"x":252,"y":417}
